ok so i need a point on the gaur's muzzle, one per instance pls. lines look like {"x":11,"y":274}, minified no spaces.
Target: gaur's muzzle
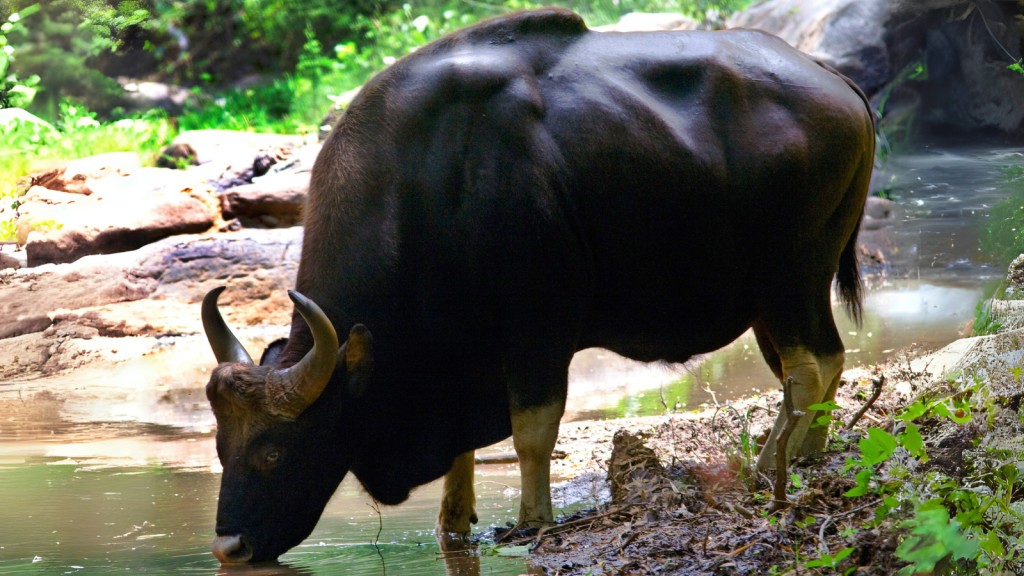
{"x":232,"y":549}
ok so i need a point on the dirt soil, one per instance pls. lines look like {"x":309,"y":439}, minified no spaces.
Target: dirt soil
{"x":676,"y":494}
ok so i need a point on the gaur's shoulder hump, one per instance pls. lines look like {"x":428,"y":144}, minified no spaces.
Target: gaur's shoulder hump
{"x":511,"y":27}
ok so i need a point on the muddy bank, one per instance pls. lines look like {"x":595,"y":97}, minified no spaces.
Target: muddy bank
{"x":677,"y":494}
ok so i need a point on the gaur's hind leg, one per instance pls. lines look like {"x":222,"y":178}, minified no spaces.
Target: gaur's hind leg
{"x":534,"y":433}
{"x":831,"y":370}
{"x":458,"y":502}
{"x":811,"y":353}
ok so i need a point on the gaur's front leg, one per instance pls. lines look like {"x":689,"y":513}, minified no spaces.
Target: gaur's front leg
{"x":534,"y":433}
{"x":458,"y":503}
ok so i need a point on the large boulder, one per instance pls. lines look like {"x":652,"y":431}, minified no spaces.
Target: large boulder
{"x":257,"y":266}
{"x":150,"y":95}
{"x":849,"y":35}
{"x":274,"y":200}
{"x":199,"y":147}
{"x":121,"y":214}
{"x":77,"y":176}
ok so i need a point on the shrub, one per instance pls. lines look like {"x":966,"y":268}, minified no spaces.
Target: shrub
{"x":1003,"y":237}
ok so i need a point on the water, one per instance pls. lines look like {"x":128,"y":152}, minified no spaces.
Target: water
{"x":81,"y":508}
{"x":113,"y":469}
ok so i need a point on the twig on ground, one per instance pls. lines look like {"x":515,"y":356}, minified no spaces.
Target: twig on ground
{"x":821,"y":535}
{"x":877,"y":383}
{"x":633,"y":534}
{"x":781,"y":443}
{"x":858,"y":509}
{"x":511,"y":531}
{"x":548,"y":530}
{"x":741,"y":549}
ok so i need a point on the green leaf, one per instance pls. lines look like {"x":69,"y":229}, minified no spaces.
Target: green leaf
{"x":933,"y":536}
{"x":825,"y":406}
{"x":29,"y":10}
{"x":1016,"y":373}
{"x":914,"y":411}
{"x":513,"y":550}
{"x":912,"y":441}
{"x":825,"y":560}
{"x":843,"y":554}
{"x":877,"y":447}
{"x":992,"y":544}
{"x":863,"y":482}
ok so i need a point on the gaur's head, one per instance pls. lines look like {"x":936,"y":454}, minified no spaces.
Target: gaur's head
{"x":274,"y":439}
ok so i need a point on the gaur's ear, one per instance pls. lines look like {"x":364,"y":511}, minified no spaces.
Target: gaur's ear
{"x":357,"y":353}
{"x":273,"y":351}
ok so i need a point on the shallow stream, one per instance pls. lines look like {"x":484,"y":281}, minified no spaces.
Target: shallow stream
{"x":113,"y":469}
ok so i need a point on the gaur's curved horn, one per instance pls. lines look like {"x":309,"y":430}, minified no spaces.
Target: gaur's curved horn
{"x":225,"y":346}
{"x":294,"y":389}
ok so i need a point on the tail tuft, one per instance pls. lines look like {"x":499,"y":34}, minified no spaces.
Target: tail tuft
{"x":848,"y":281}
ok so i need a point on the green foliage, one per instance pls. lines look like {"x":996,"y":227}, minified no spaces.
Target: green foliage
{"x":60,"y":47}
{"x":77,"y":134}
{"x":1003,"y":236}
{"x":933,"y":538}
{"x":829,"y":561}
{"x":985,"y":321}
{"x":15,"y":93}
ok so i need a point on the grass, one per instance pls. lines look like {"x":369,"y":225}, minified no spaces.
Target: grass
{"x":296,"y":102}
{"x":27,"y":146}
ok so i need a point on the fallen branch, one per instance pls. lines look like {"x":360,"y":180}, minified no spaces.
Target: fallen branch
{"x":509,"y":458}
{"x":781,"y":443}
{"x":875,"y":393}
{"x":548,"y":530}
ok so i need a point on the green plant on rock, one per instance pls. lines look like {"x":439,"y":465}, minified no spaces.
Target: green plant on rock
{"x":985,"y":320}
{"x":1003,"y":237}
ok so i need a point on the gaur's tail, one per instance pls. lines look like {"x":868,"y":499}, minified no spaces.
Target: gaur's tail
{"x":848,"y":281}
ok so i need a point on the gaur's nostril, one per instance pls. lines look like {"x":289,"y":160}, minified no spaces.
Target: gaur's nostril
{"x":232,"y":549}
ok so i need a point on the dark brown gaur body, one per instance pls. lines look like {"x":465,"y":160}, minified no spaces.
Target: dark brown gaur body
{"x":511,"y":194}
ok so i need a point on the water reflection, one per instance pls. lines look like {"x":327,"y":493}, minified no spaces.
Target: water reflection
{"x":62,"y":515}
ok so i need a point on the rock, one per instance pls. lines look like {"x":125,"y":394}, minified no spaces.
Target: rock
{"x":238,"y":167}
{"x":968,"y":86}
{"x":147,"y":317}
{"x":150,"y":95}
{"x":11,"y":258}
{"x":849,"y":35}
{"x":278,"y":196}
{"x":203,"y":146}
{"x":257,"y":266}
{"x":879,"y":213}
{"x":650,"y":22}
{"x":1015,"y":276}
{"x":58,"y":227}
{"x":77,"y":175}
{"x":100,"y":165}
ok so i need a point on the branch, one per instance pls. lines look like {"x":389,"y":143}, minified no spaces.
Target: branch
{"x":781,"y":443}
{"x":877,"y":383}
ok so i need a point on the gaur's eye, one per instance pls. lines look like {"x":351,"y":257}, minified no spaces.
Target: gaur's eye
{"x":273,"y":457}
